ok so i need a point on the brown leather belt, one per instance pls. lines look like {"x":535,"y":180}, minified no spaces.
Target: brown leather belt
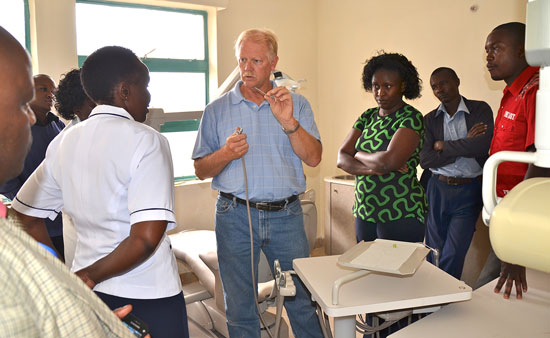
{"x":457,"y":180}
{"x":266,"y":206}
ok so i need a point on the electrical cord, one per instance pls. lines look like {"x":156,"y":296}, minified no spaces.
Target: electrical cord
{"x":254,"y":285}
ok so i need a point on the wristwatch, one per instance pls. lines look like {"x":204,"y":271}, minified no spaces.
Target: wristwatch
{"x":291,"y":131}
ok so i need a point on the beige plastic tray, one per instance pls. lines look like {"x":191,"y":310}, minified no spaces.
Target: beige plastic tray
{"x":394,"y":257}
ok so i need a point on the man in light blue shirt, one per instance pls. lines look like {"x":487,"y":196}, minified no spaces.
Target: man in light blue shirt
{"x":273,"y":130}
{"x":457,"y":139}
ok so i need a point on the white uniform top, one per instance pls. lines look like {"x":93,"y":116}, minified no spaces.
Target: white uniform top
{"x":108,"y":173}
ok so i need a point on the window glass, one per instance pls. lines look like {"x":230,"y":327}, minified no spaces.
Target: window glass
{"x":177,"y":92}
{"x":181,"y":135}
{"x":147,"y":32}
{"x":171,"y":42}
{"x":12,"y":19}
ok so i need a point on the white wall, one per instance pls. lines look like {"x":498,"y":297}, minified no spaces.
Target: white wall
{"x":53,"y":29}
{"x":195,"y":205}
{"x":431,"y":33}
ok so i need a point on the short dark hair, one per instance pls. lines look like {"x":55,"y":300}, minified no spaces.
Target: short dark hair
{"x":445,"y":69}
{"x":105,"y":68}
{"x":70,"y":94}
{"x":516,"y":30}
{"x":398,"y":63}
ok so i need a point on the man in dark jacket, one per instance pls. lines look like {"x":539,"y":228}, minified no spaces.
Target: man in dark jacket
{"x":457,"y":139}
{"x":46,"y":128}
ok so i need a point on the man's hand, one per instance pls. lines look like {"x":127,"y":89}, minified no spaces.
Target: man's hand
{"x":477,"y":130}
{"x":511,"y":274}
{"x":438,"y":145}
{"x":122,"y":312}
{"x":280,"y":100}
{"x":236,"y":145}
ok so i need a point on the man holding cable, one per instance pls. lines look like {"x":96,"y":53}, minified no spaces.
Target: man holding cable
{"x":278,"y":134}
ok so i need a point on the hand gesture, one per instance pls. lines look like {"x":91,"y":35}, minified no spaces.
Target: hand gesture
{"x":478,"y":129}
{"x":511,"y":274}
{"x":280,"y":100}
{"x":236,"y":145}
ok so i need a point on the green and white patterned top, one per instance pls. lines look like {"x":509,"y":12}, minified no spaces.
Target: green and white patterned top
{"x":393,"y":196}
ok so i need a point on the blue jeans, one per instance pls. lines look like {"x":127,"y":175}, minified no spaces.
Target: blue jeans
{"x":280,"y":235}
{"x":451,"y":221}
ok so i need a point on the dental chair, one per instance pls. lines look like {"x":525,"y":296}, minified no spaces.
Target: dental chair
{"x":204,"y":299}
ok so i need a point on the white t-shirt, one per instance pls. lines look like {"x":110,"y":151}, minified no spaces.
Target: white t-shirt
{"x":108,"y":173}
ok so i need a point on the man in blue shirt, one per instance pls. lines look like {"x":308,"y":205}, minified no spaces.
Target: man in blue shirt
{"x":46,"y":128}
{"x":457,"y":139}
{"x":278,"y":133}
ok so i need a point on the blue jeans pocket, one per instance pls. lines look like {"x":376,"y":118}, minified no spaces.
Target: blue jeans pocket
{"x":223,"y":205}
{"x":294,"y":208}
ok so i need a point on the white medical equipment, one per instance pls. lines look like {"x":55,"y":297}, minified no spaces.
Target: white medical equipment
{"x":520,"y":224}
{"x":204,"y":299}
{"x":283,"y":80}
{"x":390,"y":257}
{"x":490,"y":315}
{"x":381,"y":257}
{"x":376,"y":293}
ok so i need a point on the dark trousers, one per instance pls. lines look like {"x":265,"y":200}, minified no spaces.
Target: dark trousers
{"x":166,"y":317}
{"x":490,"y":271}
{"x":59,"y":246}
{"x":405,"y":229}
{"x":451,"y":222}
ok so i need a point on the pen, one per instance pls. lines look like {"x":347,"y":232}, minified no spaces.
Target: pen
{"x":264,"y":94}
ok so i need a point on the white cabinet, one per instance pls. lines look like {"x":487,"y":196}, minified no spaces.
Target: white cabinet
{"x":339,"y":220}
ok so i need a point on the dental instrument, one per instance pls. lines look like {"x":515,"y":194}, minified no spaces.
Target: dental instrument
{"x":264,"y":94}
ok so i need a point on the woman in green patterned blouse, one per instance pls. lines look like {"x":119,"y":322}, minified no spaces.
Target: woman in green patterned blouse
{"x":383,"y":149}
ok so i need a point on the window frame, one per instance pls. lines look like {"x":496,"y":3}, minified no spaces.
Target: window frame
{"x":27,"y":25}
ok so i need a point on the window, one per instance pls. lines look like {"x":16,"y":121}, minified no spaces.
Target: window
{"x":173,"y":43}
{"x":183,"y":134}
{"x":14,"y":17}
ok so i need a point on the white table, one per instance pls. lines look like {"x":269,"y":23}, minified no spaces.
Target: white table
{"x":490,"y":315}
{"x":375,"y":292}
